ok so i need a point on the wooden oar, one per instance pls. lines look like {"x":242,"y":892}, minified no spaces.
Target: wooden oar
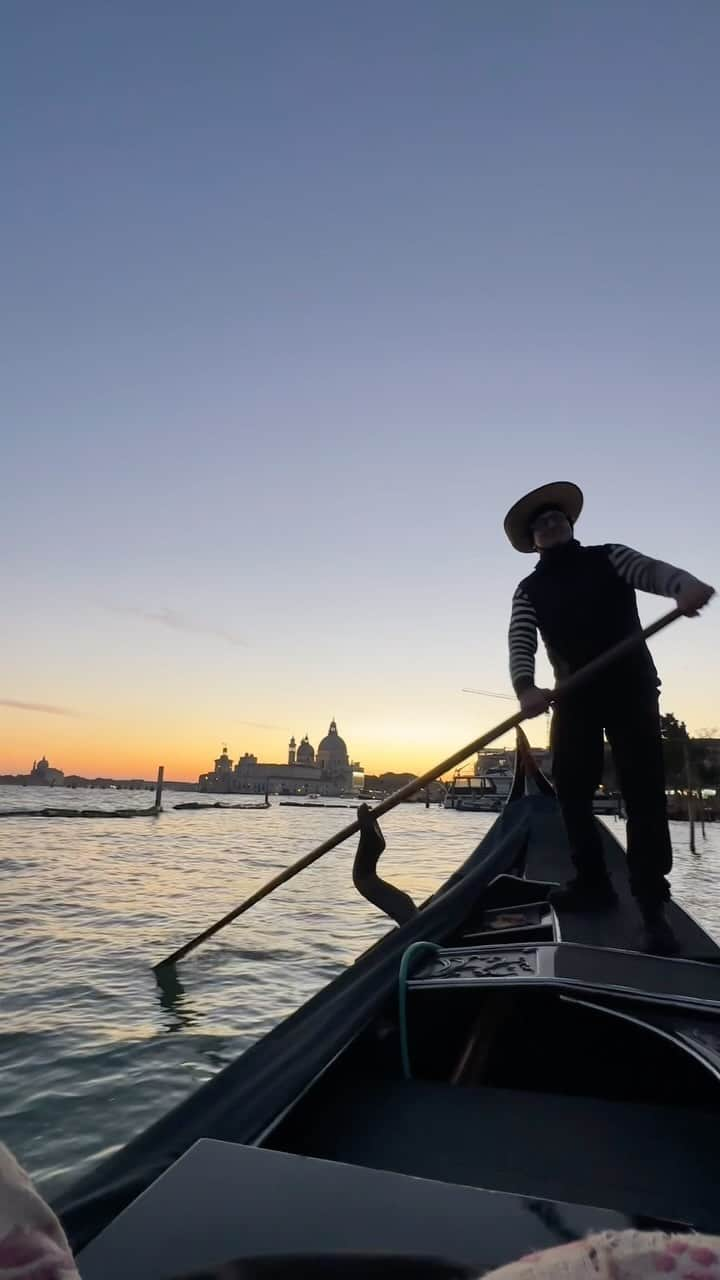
{"x":573,"y":682}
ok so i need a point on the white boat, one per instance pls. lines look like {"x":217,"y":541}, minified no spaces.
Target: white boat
{"x":501,"y":777}
{"x":473,"y":795}
{"x":498,"y":769}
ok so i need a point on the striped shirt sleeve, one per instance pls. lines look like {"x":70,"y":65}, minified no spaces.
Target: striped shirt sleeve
{"x":522,"y":638}
{"x":644,"y":574}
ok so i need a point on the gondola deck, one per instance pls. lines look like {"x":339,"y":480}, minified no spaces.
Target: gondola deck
{"x":567,"y":967}
{"x":310,"y":1207}
{"x":548,"y":859}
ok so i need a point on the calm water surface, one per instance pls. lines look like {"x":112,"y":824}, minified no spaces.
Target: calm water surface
{"x":90,"y":1050}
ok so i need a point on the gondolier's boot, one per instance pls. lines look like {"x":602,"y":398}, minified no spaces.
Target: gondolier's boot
{"x":585,"y":893}
{"x":657,"y":935}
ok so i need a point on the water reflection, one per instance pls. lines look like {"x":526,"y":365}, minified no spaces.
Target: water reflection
{"x":174,"y":1000}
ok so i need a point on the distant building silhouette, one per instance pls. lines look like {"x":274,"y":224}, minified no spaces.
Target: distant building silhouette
{"x":305,"y":753}
{"x":331,"y":773}
{"x":41,"y":775}
{"x":332,"y":756}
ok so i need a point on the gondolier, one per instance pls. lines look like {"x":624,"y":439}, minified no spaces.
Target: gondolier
{"x":582,"y":601}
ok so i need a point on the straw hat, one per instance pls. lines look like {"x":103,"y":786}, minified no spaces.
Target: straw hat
{"x":562,"y":494}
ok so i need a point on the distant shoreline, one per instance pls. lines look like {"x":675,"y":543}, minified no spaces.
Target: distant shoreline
{"x":93,"y":784}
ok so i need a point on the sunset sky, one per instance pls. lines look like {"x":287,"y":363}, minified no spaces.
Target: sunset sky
{"x":298,"y":298}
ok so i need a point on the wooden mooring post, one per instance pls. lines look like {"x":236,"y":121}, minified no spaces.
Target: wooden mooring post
{"x":159,"y":788}
{"x":690,"y":798}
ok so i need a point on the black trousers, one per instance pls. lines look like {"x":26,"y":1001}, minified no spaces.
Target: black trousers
{"x":628,"y":714}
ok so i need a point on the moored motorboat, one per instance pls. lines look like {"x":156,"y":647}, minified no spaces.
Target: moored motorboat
{"x":472,"y":794}
{"x":607,"y":802}
{"x":498,"y":768}
{"x":492,"y":1076}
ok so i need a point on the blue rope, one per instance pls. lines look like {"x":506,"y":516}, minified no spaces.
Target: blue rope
{"x":411,"y":951}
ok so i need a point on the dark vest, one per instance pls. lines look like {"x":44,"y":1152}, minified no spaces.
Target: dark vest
{"x":582,"y":608}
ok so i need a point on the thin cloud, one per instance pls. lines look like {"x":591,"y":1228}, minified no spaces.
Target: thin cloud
{"x":44,"y":708}
{"x":178,"y":622}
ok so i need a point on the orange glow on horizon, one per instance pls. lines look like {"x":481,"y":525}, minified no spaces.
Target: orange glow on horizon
{"x":109,"y":756}
{"x":394,"y":738}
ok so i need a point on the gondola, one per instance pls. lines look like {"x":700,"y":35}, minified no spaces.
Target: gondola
{"x":492,"y":1077}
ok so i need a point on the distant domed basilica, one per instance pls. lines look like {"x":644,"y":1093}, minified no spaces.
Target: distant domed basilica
{"x":329,"y":771}
{"x":331,"y":758}
{"x":332,"y":753}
